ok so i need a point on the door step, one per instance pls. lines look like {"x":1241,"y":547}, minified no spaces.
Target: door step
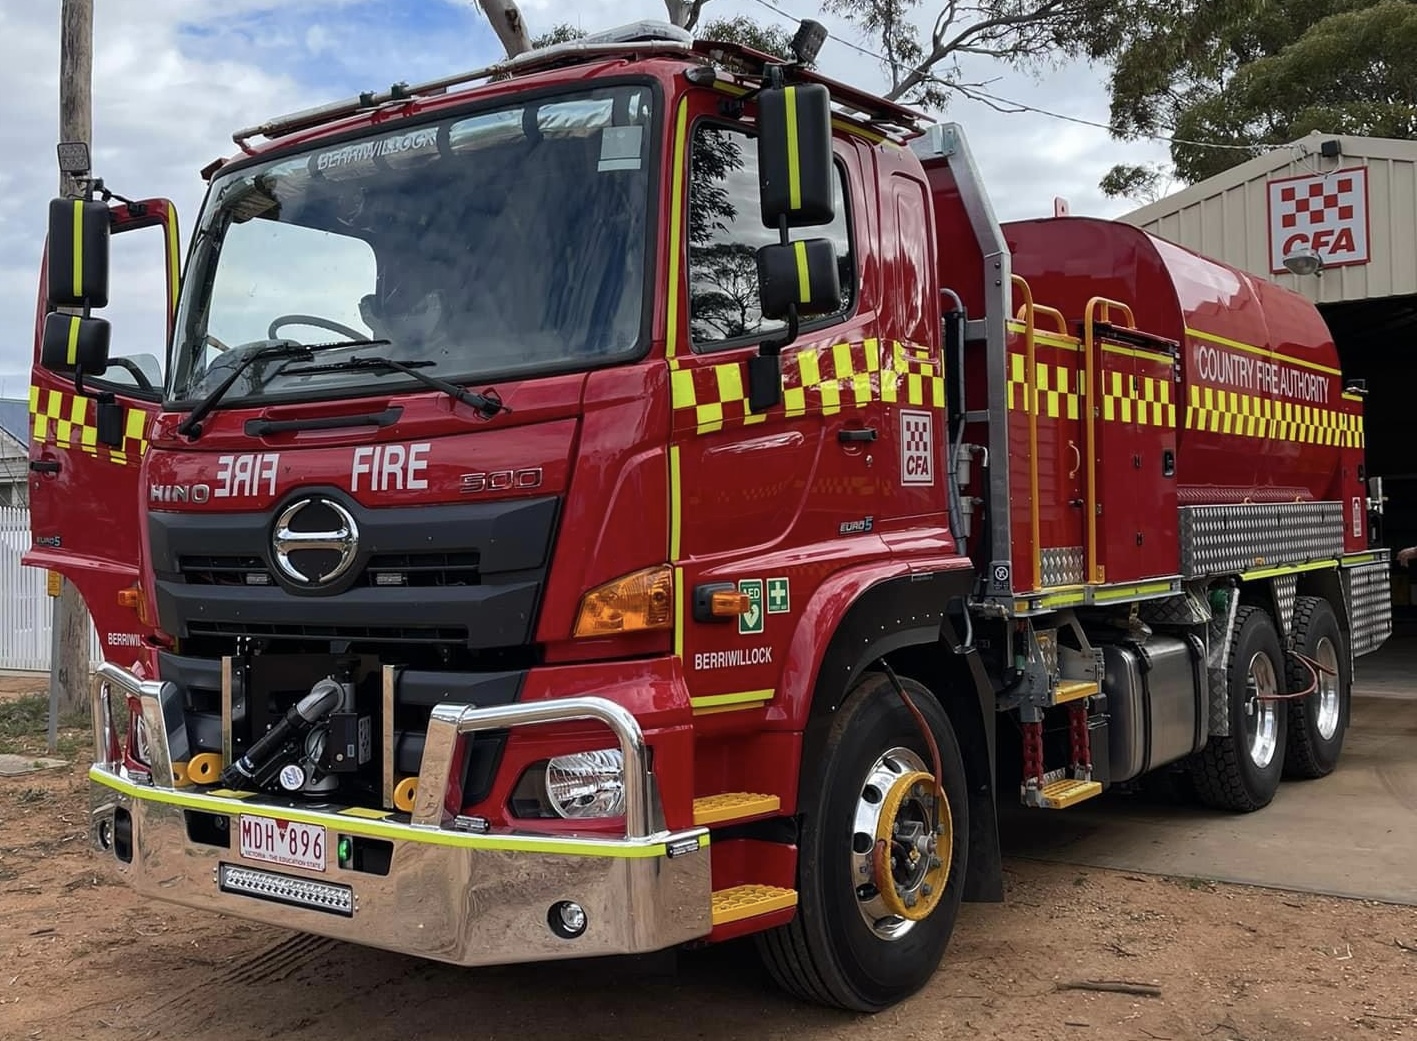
{"x":749,"y":901}
{"x":1061,"y":794}
{"x":733,"y":806}
{"x":1074,"y":690}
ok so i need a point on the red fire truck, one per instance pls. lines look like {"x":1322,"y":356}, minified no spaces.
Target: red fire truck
{"x":638,"y":495}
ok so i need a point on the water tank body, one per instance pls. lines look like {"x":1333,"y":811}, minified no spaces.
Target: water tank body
{"x":1261,"y":415}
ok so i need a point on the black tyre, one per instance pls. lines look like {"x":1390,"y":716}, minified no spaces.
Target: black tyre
{"x":1317,"y":724}
{"x":1242,"y":772}
{"x":845,"y":947}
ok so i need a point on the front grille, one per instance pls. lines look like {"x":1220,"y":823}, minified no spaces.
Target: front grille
{"x":422,"y":570}
{"x":315,"y":631}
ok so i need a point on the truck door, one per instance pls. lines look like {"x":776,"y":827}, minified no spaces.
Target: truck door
{"x":764,"y":501}
{"x":86,"y":446}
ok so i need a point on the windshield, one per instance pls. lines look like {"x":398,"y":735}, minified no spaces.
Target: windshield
{"x":497,"y":244}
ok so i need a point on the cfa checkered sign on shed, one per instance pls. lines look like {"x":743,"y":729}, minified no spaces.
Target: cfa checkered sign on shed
{"x":1326,"y":213}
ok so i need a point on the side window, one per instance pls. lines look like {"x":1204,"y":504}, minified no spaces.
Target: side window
{"x":725,"y":232}
{"x":137,"y":311}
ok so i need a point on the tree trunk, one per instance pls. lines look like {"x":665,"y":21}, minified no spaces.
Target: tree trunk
{"x":508,"y":24}
{"x":69,"y":662}
{"x":684,"y":13}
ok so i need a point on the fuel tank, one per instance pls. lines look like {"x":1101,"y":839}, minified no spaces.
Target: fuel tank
{"x":1261,"y":415}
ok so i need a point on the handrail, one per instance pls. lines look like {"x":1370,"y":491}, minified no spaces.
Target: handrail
{"x":1030,"y":369}
{"x":1099,"y":308}
{"x":1049,"y":312}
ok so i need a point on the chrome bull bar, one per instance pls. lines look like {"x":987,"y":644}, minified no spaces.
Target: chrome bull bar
{"x":449,"y":893}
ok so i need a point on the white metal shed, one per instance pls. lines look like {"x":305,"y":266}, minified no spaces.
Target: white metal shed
{"x":1354,"y":204}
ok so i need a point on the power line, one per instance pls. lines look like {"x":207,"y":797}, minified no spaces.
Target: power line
{"x":995,"y":102}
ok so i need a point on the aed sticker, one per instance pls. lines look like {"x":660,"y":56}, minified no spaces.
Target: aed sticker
{"x":917,"y":448}
{"x":750,"y":622}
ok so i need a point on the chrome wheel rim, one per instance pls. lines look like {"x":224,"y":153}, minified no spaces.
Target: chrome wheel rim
{"x":1329,"y":695}
{"x":914,"y":877}
{"x":1261,"y":715}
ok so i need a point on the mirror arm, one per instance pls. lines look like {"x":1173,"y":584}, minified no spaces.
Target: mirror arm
{"x":784,"y":235}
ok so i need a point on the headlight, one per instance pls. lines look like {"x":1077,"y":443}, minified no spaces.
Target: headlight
{"x":587,"y":784}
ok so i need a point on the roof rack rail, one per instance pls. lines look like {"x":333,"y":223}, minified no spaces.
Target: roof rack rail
{"x":872,"y":108}
{"x":642,"y":37}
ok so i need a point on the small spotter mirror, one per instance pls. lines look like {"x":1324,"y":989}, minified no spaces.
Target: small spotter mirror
{"x":795,"y":155}
{"x":73,"y":343}
{"x":78,"y":253}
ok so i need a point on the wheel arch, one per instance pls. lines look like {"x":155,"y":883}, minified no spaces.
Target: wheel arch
{"x":905,"y":620}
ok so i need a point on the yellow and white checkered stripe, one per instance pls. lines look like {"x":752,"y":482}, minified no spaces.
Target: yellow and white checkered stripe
{"x":826,"y":382}
{"x":70,"y":421}
{"x":1246,"y":415}
{"x":1144,"y":400}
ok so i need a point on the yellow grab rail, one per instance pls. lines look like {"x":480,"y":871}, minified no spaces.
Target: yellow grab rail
{"x":1047,"y":312}
{"x":1030,"y":398}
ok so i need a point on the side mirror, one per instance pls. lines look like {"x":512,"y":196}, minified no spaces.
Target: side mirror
{"x":803,"y":275}
{"x":795,"y":156}
{"x":78,"y":253}
{"x":71,"y":343}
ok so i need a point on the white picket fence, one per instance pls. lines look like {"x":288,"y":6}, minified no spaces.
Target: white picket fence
{"x":25,"y":607}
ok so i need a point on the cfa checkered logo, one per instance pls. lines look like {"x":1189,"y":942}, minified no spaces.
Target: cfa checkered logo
{"x":1327,"y":214}
{"x":917,"y":448}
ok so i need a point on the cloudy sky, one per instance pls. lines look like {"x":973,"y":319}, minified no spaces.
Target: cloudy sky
{"x":174,"y":78}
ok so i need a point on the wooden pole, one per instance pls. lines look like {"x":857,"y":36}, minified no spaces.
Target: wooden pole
{"x":69,"y":662}
{"x":508,"y":24}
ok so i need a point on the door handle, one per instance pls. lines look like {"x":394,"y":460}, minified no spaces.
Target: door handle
{"x":847,"y":436}
{"x":45,"y":466}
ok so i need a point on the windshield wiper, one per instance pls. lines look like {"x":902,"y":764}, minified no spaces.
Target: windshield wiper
{"x":192,"y":425}
{"x":488,"y":406}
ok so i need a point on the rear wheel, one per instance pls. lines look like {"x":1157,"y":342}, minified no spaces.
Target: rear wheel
{"x":882,"y":860}
{"x":1317,"y":723}
{"x":1242,"y":772}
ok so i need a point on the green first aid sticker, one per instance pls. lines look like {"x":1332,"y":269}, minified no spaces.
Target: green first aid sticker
{"x":779,"y":599}
{"x":752,"y":621}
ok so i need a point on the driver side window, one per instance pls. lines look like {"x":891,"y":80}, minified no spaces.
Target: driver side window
{"x":136,"y":314}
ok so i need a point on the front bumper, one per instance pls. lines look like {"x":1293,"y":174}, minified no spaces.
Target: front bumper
{"x":443,"y":893}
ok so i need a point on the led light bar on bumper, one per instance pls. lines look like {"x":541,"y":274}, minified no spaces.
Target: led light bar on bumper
{"x":436,"y":891}
{"x":286,"y":889}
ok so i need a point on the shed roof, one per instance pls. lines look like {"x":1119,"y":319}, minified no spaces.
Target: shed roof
{"x":1228,"y":216}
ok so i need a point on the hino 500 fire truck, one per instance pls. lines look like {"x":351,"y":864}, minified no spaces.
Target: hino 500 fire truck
{"x":638,"y":495}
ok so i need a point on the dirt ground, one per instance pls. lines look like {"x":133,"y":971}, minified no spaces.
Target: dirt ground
{"x":85,"y":959}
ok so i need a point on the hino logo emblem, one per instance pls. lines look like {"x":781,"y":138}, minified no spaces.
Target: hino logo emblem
{"x":315,"y":541}
{"x":179,"y":492}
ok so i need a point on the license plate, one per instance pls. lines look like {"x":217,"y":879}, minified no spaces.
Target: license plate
{"x":288,"y":843}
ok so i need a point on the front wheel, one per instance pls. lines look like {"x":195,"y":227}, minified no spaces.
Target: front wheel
{"x":882,"y":859}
